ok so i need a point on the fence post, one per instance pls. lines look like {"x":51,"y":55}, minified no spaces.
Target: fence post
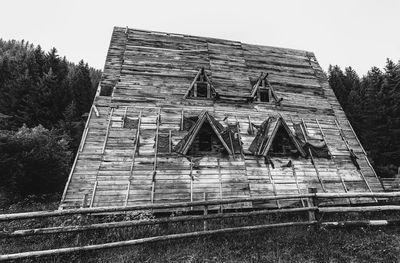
{"x":312,"y":202}
{"x":205,"y":212}
{"x":81,"y":219}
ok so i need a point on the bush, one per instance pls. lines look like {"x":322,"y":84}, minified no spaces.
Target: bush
{"x":33,"y":161}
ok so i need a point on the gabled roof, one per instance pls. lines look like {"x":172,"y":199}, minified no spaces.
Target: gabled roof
{"x":184,"y":145}
{"x":267,"y":134}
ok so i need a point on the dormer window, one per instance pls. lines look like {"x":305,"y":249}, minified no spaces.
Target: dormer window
{"x":262,"y":91}
{"x":201,"y":87}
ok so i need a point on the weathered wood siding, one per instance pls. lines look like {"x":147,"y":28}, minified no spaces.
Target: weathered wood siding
{"x":149,"y":73}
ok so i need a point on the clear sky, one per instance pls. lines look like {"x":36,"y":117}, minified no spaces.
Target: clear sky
{"x":357,"y":33}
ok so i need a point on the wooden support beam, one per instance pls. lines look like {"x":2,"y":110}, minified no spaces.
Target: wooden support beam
{"x":323,"y":137}
{"x":297,"y":184}
{"x":124,"y":117}
{"x":312,"y":159}
{"x":220,"y":184}
{"x":127,"y":193}
{"x":271,"y":179}
{"x":239,"y":136}
{"x":93,"y":194}
{"x":366,"y":182}
{"x":85,"y":133}
{"x":153,"y":181}
{"x":96,"y":111}
{"x":191,"y":182}
{"x":233,"y":150}
{"x":169,"y":142}
{"x":250,"y":126}
{"x":205,"y":225}
{"x":107,"y":131}
{"x":181,"y":120}
{"x":135,"y":147}
{"x":355,"y":135}
{"x":192,"y":84}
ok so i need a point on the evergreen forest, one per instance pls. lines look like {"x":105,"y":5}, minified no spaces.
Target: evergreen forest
{"x":44,"y":100}
{"x":372,"y":104}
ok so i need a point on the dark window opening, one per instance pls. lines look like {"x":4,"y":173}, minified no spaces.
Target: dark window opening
{"x":282,"y":144}
{"x":106,"y":91}
{"x":202,"y":89}
{"x":130,"y":123}
{"x":206,"y":142}
{"x":264,"y":95}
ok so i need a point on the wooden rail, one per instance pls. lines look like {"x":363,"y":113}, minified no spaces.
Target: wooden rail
{"x":58,"y":251}
{"x":114,"y":209}
{"x":312,"y":209}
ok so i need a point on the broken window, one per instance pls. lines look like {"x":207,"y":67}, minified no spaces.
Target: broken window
{"x":206,"y":142}
{"x":208,"y":136}
{"x":275,"y":138}
{"x":130,"y":123}
{"x":264,"y":95}
{"x":106,"y":91}
{"x":164,"y":143}
{"x":262,"y":90}
{"x":201,"y":87}
{"x":282,"y":145}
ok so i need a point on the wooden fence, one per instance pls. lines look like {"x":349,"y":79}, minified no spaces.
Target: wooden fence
{"x":313,"y":209}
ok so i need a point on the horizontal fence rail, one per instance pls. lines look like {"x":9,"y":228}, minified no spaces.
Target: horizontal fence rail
{"x":312,"y":200}
{"x":148,"y":240}
{"x":115,"y":209}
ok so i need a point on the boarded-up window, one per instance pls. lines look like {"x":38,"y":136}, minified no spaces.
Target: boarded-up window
{"x":106,"y":90}
{"x":264,"y":95}
{"x":163,"y":144}
{"x":130,"y":123}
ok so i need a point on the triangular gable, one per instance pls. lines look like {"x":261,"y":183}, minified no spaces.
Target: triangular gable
{"x":266,"y":136}
{"x":184,"y":145}
{"x":262,"y":83}
{"x":200,"y":78}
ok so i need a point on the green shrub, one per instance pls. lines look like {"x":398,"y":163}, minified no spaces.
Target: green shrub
{"x":33,"y":161}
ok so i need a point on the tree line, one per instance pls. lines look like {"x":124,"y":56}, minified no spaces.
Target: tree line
{"x":43,"y":101}
{"x":372,"y":104}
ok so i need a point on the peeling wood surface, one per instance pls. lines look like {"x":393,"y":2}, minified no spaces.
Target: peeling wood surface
{"x":149,"y":74}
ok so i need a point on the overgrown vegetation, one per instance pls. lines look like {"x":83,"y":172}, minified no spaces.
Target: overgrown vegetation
{"x":43,"y":99}
{"x":293,"y":244}
{"x":372,"y":104}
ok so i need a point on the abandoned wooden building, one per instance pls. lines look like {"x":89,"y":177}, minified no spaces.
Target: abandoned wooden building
{"x":177,"y":116}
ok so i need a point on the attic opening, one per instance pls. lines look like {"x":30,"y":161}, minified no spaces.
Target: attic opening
{"x":282,"y":145}
{"x":201,"y":87}
{"x":263,"y":95}
{"x":206,"y":142}
{"x":262,"y":91}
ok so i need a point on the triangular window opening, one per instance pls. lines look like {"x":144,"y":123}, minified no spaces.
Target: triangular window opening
{"x":282,"y":145}
{"x":201,"y":87}
{"x":262,"y":91}
{"x":206,"y":142}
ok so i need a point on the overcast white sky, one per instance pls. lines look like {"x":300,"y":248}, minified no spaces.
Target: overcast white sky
{"x":358,"y":33}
